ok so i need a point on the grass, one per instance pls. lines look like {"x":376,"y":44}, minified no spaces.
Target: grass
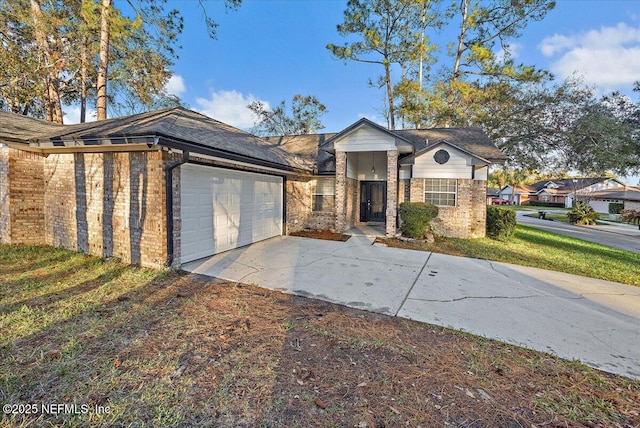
{"x":163,"y":349}
{"x":534,"y":247}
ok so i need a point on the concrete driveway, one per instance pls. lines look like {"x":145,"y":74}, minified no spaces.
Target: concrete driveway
{"x":594,"y":321}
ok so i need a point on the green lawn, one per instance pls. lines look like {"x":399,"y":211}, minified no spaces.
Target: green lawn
{"x":537,"y":248}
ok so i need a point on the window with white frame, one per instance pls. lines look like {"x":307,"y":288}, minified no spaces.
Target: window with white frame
{"x":323,"y":194}
{"x":441,"y":191}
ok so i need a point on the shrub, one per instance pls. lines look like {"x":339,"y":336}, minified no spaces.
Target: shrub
{"x":582,"y":213}
{"x":632,"y":216}
{"x":547,"y":204}
{"x":615,"y":208}
{"x":416,"y":218}
{"x":501,"y":223}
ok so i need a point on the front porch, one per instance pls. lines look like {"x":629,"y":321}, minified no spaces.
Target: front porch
{"x":367,"y":189}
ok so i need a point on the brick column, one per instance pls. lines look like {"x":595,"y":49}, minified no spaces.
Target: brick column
{"x":392,"y":192}
{"x":341,"y":191}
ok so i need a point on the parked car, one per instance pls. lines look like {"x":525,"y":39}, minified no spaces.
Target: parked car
{"x":499,"y":201}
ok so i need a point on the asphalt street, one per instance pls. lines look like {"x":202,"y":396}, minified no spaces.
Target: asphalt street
{"x":623,"y":237}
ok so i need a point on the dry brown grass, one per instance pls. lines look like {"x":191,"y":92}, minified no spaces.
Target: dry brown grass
{"x":169,"y":349}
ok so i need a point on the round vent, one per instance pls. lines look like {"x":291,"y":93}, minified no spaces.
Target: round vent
{"x":441,"y":156}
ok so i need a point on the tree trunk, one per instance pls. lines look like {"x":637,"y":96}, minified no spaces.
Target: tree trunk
{"x":104,"y":61}
{"x":392,"y":112}
{"x":464,"y":8}
{"x":83,"y":82}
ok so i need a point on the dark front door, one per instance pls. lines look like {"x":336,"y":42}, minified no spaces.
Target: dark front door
{"x":373,"y":201}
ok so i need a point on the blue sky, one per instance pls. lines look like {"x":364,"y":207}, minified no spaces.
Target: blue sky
{"x":270,"y":50}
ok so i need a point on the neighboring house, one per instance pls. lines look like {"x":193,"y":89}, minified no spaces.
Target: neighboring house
{"x":563,"y":191}
{"x":171,"y":186}
{"x":517,"y":195}
{"x":627,"y":195}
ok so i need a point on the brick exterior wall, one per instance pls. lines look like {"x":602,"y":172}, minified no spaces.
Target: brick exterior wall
{"x":353,"y":206}
{"x":416,"y":190}
{"x":299,"y":208}
{"x":108,"y":205}
{"x":468,"y":218}
{"x":404,"y":188}
{"x":392,"y":192}
{"x":5,"y":217}
{"x":298,"y":204}
{"x":21,"y":197}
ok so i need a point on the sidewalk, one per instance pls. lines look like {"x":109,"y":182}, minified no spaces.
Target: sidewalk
{"x":620,"y":228}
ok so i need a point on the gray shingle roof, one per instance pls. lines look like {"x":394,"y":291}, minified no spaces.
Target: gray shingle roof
{"x":567,"y":185}
{"x":175,"y":123}
{"x":472,"y":140}
{"x":297,"y":151}
{"x":308,"y":148}
{"x":19,"y":128}
{"x":628,"y":193}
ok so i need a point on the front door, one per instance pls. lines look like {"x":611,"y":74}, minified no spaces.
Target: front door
{"x":373,"y":201}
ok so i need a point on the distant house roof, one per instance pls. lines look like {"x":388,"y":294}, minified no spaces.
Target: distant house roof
{"x":627,"y":193}
{"x":178,"y":127}
{"x":520,"y":189}
{"x":568,"y":185}
{"x":493,"y":192}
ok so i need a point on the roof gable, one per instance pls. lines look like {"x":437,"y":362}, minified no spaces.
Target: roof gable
{"x":403,"y":145}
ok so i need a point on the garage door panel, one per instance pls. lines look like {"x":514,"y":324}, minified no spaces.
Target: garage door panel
{"x":224,"y":209}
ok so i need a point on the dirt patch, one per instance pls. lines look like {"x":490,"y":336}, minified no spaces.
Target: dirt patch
{"x":321,"y":234}
{"x":185,"y":350}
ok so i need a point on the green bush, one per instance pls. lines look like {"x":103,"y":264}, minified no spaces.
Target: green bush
{"x":547,"y":204}
{"x":632,"y":216}
{"x":501,"y":223}
{"x":582,"y":213}
{"x":416,"y":218}
{"x":615,"y":208}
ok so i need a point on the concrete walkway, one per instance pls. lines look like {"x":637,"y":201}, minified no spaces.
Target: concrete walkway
{"x":594,"y":321}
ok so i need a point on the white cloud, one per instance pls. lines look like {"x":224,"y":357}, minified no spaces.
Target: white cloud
{"x":72,"y":115}
{"x":608,"y":57}
{"x":229,"y":107}
{"x":175,"y":85}
{"x":513,"y":49}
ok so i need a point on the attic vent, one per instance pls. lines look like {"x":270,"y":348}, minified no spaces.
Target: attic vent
{"x":441,"y":156}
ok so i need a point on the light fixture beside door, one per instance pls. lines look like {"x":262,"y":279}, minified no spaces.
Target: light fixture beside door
{"x":373,"y":162}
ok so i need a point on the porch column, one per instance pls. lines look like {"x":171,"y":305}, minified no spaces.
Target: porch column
{"x":341,"y":191}
{"x":392,"y":192}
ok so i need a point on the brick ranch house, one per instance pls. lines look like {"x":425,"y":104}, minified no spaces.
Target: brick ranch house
{"x":170,"y":186}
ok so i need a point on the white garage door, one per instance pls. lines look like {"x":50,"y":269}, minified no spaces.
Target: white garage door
{"x":222,"y":209}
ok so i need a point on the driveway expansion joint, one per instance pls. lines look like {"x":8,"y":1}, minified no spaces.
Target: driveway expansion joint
{"x":413,"y":285}
{"x":476,"y":298}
